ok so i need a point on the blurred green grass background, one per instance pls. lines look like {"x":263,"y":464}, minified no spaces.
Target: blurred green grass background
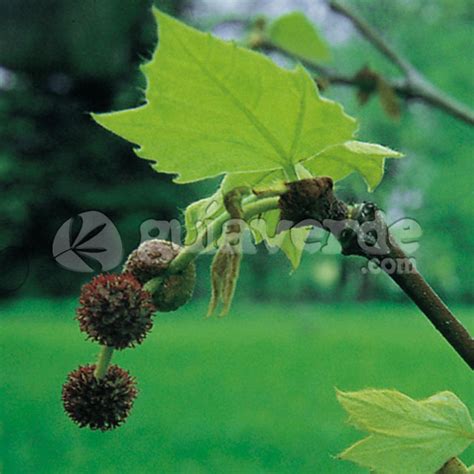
{"x":250,"y":393}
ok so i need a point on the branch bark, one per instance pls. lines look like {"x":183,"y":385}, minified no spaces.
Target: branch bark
{"x":362,"y":231}
{"x":374,"y":38}
{"x":421,"y":293}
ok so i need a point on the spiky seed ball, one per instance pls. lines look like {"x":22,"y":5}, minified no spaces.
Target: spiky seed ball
{"x":115,"y":310}
{"x":99,"y":404}
{"x":151,"y":259}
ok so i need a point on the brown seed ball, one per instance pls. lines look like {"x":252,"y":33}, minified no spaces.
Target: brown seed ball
{"x":115,"y":310}
{"x":175,"y":290}
{"x":99,"y":404}
{"x":151,"y":259}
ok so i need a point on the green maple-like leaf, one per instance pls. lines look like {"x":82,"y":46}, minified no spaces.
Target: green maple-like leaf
{"x":295,"y":34}
{"x":405,"y":435}
{"x":336,"y":161}
{"x":214,"y":107}
{"x":339,"y":161}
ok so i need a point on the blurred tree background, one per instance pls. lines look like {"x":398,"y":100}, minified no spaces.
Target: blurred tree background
{"x":62,"y":59}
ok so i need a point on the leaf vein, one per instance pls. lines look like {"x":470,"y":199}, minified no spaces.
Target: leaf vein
{"x":260,"y":127}
{"x":299,"y":120}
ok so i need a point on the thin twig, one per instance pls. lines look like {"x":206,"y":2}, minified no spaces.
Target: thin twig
{"x":421,"y":293}
{"x":413,"y":86}
{"x":376,"y":244}
{"x":416,"y":86}
{"x":333,"y":77}
{"x":438,"y":99}
{"x":421,"y":90}
{"x":374,"y":38}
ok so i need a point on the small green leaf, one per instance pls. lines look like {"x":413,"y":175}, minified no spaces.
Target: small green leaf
{"x":295,"y":34}
{"x":264,"y":227}
{"x":214,"y":108}
{"x":406,"y":435}
{"x":200,"y":213}
{"x":341,"y":160}
{"x":292,"y":244}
